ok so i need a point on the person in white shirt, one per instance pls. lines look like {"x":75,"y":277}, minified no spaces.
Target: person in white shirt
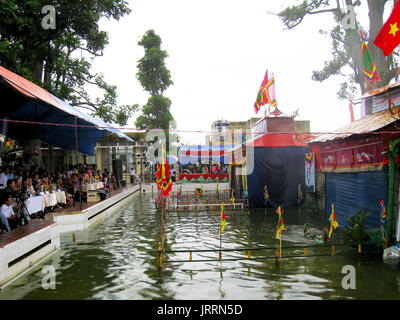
{"x":28,"y":186}
{"x":7,"y":209}
{"x":173,"y":173}
{"x":133,"y":175}
{"x":4,"y":223}
{"x":4,"y":178}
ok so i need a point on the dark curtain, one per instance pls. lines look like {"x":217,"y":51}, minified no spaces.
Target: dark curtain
{"x":281,"y":170}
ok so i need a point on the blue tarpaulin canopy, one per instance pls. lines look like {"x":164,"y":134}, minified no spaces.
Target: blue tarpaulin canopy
{"x":205,"y":154}
{"x":172,"y":159}
{"x":30,"y":112}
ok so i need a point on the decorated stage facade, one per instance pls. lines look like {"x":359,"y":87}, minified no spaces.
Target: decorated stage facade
{"x":275,"y":158}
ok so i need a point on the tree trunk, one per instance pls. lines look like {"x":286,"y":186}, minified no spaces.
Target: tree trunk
{"x":383,"y":64}
{"x":33,"y":147}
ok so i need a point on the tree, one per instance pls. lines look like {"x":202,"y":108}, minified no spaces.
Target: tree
{"x":346,"y":41}
{"x":155,"y":78}
{"x":54,"y":58}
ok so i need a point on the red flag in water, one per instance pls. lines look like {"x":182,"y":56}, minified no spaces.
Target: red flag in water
{"x":159,"y":179}
{"x":166,"y":179}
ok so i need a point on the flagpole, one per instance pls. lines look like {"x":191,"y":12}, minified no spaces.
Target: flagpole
{"x":384,"y":245}
{"x":280,"y":236}
{"x":220,"y":241}
{"x":222,"y":215}
{"x":278,"y":233}
{"x":384,"y":241}
{"x":220,"y":247}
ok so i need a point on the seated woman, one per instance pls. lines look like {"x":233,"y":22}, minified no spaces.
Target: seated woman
{"x":106,"y":183}
{"x":114,"y":184}
{"x":58,"y":185}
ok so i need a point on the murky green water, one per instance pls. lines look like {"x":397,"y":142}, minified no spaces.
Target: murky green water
{"x":116,"y":259}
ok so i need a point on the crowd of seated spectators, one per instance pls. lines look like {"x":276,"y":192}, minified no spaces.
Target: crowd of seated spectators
{"x":21,"y":179}
{"x":205,"y":168}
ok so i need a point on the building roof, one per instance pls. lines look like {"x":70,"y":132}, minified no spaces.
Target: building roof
{"x":368,"y":124}
{"x":47,"y":117}
{"x":379,"y":90}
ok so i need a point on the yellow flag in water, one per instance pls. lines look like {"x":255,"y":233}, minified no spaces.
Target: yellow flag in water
{"x":223,"y":219}
{"x":332,"y":219}
{"x":281,"y":224}
{"x":233,"y":200}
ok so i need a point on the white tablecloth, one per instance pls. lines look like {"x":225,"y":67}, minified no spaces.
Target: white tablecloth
{"x":38,"y":203}
{"x":88,"y":186}
{"x":50,"y":199}
{"x":61,"y":197}
{"x":34,"y":204}
{"x":99,"y":185}
{"x":92,"y":186}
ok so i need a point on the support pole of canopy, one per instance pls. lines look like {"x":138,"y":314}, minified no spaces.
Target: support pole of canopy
{"x":48,"y":158}
{"x":391,"y":153}
{"x":141,"y":164}
{"x":77,"y":153}
{"x":209,"y":156}
{"x":126,"y":168}
{"x":108,"y":156}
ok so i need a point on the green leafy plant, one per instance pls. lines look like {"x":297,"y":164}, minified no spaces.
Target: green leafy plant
{"x":355,"y":231}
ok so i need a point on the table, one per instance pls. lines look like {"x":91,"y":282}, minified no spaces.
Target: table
{"x":88,"y":186}
{"x":37,"y":203}
{"x":49,"y":199}
{"x":92,"y":186}
{"x":100,"y":185}
{"x":61,"y":197}
{"x":34,"y":204}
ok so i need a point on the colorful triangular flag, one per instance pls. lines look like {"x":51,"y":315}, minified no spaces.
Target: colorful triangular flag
{"x":333,"y":220}
{"x":223,"y":219}
{"x":281,"y":224}
{"x":369,"y":67}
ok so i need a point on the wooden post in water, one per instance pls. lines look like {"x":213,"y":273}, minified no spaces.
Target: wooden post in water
{"x":220,"y":247}
{"x":277,"y":254}
{"x":162,"y":237}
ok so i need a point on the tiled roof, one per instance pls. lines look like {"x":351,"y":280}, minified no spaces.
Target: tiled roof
{"x":367,"y":124}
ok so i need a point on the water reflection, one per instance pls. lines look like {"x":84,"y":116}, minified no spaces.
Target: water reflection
{"x":116,"y":259}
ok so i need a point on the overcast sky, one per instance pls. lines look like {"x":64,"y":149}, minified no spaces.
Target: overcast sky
{"x":218,"y":54}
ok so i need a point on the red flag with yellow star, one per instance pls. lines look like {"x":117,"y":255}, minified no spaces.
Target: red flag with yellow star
{"x":389,"y":36}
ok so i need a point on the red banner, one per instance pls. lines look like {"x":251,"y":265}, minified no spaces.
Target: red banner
{"x":352,"y":154}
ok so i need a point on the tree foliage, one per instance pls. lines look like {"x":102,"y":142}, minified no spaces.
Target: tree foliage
{"x":155,"y":78}
{"x":155,"y":114}
{"x":346,"y":41}
{"x":56,"y":59}
{"x":153,"y":75}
